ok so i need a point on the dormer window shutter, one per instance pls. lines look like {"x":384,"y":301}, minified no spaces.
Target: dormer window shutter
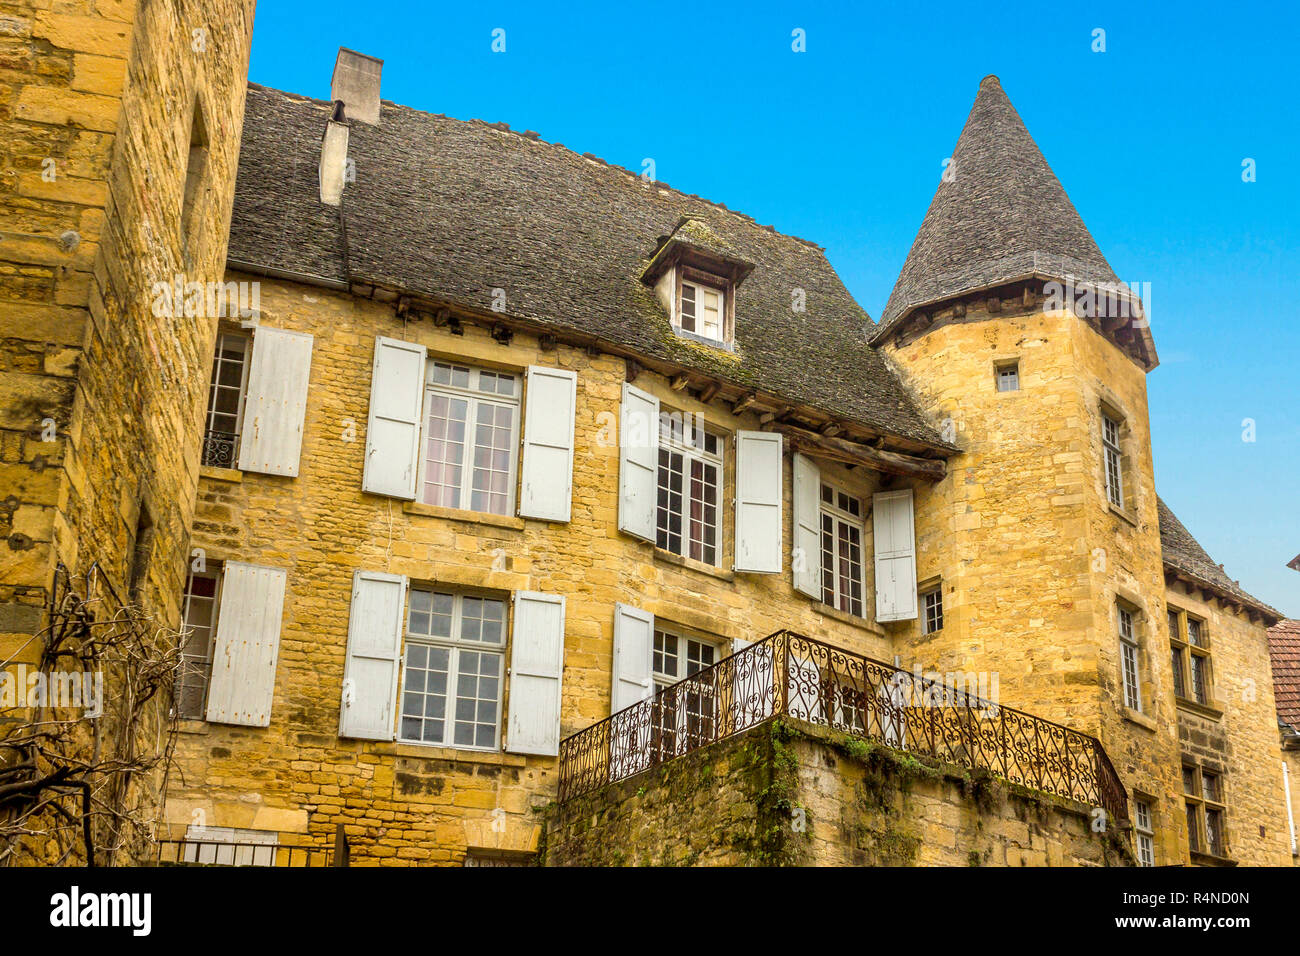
{"x":894,"y":528}
{"x":638,"y":463}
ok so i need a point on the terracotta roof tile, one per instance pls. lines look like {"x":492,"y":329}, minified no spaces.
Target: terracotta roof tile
{"x":1284,"y":655}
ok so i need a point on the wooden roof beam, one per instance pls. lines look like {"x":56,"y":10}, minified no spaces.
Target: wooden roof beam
{"x":851,"y":453}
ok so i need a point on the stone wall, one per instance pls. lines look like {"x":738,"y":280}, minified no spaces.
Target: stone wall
{"x":404,"y":802}
{"x":100,"y":398}
{"x":1236,"y":734}
{"x":788,"y":793}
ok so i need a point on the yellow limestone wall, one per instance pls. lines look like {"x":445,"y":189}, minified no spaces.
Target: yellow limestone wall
{"x":402,"y":802}
{"x":1030,"y":554}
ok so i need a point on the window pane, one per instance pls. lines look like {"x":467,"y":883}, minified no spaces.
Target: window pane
{"x":492,"y":452}
{"x":669,"y":518}
{"x":1198,"y":679}
{"x":424,"y":693}
{"x":444,"y":453}
{"x":1180,"y":686}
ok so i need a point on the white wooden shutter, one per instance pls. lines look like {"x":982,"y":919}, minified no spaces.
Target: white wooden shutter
{"x":374,"y":655}
{"x":758,"y":502}
{"x":393,"y":434}
{"x":634,"y":632}
{"x":546,"y":482}
{"x":247,"y":645}
{"x":895,"y":542}
{"x":536,"y":668}
{"x":638,"y":463}
{"x":276,"y":402}
{"x":806,"y":549}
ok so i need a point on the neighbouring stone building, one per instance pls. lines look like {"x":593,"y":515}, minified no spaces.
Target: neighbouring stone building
{"x":512,"y":459}
{"x":1284,"y":654}
{"x":119,"y":137}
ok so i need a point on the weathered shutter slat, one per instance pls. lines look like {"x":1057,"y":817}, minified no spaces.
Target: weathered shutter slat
{"x":546,"y":472}
{"x":633,"y":656}
{"x":758,"y":502}
{"x":894,"y":533}
{"x":393,"y":432}
{"x":247,"y":645}
{"x":806,"y":552}
{"x":536,"y":671}
{"x":276,"y":402}
{"x":374,"y":655}
{"x":638,"y":463}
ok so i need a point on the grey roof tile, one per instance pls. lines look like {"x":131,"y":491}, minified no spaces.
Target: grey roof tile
{"x":452,"y":209}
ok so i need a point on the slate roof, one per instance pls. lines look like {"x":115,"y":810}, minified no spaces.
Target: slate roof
{"x":1004,"y":216}
{"x":451,"y":209}
{"x":1284,"y":655}
{"x":1184,"y":553}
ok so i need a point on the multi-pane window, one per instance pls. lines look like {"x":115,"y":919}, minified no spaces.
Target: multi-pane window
{"x":471,"y":417}
{"x":1203,"y":795}
{"x":682,"y":720}
{"x":932,"y":610}
{"x":1190,"y":649}
{"x":1008,"y":377}
{"x":226,"y":400}
{"x":842,"y":532}
{"x":453,"y":669}
{"x":1128,"y":648}
{"x":200,"y":616}
{"x":1145,"y":833}
{"x":690,"y":489}
{"x":1110,"y":431}
{"x":703,"y":311}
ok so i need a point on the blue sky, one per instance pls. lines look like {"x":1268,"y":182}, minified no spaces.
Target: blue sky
{"x":843,"y":145}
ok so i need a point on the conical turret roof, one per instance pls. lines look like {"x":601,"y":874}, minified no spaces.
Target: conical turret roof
{"x":1000,"y":215}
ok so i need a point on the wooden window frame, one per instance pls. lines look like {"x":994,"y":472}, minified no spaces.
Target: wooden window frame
{"x":723,"y":287}
{"x":690,"y":452}
{"x":454,"y":644}
{"x":214,"y":572}
{"x":214,"y":387}
{"x":841,"y":516}
{"x":1185,"y":653}
{"x":1130,"y":650}
{"x":474,"y":398}
{"x":1112,"y":446}
{"x":1144,"y":829}
{"x":999,"y":368}
{"x":924,"y":598}
{"x":1200,"y":804}
{"x":675,"y":740}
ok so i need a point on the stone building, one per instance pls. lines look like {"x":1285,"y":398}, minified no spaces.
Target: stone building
{"x":1284,"y":654}
{"x":520,"y":458}
{"x":119,"y":137}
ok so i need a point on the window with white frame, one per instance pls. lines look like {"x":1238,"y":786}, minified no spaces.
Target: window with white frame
{"x":682,"y":721}
{"x":689,"y":489}
{"x":202,"y":590}
{"x":1128,"y":648}
{"x":471,"y":433}
{"x":702,"y":311}
{"x":1007,"y":376}
{"x":224,"y":417}
{"x":453,"y":669}
{"x":932,"y":610}
{"x":842,"y":532}
{"x":1145,"y":833}
{"x":1110,"y":434}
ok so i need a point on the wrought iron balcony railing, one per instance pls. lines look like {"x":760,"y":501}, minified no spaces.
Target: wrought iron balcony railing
{"x":220,"y":449}
{"x":789,"y":675}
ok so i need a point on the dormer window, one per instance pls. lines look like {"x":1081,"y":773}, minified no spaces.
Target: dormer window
{"x":702,"y":310}
{"x":694,"y":273}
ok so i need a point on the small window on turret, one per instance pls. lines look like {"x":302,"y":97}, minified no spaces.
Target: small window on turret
{"x":1007,"y":376}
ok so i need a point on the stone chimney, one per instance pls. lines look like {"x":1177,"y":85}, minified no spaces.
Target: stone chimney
{"x":354,"y":88}
{"x":356,"y":84}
